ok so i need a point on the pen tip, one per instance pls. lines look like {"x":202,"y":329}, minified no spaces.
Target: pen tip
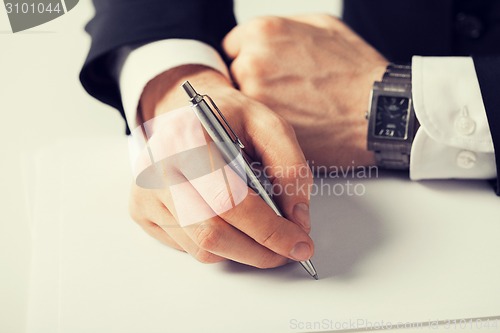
{"x":315,"y":276}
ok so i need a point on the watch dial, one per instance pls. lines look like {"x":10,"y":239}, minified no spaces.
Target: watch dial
{"x":392,"y":117}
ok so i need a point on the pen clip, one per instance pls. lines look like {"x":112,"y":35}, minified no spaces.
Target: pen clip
{"x":236,"y":140}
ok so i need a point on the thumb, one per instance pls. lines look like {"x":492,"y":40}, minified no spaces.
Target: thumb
{"x":283,"y":163}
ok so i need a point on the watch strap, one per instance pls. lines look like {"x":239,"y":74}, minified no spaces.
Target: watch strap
{"x":397,"y":74}
{"x":392,"y":156}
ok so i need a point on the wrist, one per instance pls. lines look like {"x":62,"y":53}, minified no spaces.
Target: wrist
{"x":377,"y":74}
{"x":162,"y":93}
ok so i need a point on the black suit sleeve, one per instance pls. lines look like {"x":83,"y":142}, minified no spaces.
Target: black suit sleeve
{"x":119,"y":23}
{"x":488,"y":74}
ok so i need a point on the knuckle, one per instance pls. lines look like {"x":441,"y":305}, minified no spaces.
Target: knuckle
{"x":140,"y":204}
{"x":288,"y":128}
{"x":327,"y":18}
{"x":221,"y":200}
{"x":134,"y":210}
{"x":271,"y":260}
{"x":208,"y":236}
{"x":136,"y":217}
{"x":203,"y":256}
{"x":297,"y":180}
{"x":250,"y":66}
{"x":279,"y":124}
{"x":267,"y":25}
{"x":254,"y":64}
{"x":252,"y":89}
{"x":151,"y":226}
{"x":206,"y":257}
{"x":240,"y":68}
{"x":237,"y":68}
{"x":273,"y":238}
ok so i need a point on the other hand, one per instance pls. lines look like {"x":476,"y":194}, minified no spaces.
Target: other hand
{"x":316,"y":73}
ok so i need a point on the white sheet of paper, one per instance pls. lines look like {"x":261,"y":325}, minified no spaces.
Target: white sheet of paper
{"x":402,"y":252}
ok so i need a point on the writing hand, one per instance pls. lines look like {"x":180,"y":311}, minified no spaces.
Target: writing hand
{"x":250,"y":232}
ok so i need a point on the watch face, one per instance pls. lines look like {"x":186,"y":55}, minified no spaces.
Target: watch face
{"x":392,"y":117}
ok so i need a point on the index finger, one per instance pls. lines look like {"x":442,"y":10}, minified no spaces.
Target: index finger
{"x":253,"y":216}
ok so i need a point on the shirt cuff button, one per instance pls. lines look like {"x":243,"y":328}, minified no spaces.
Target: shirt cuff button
{"x":464,"y":125}
{"x":466,"y":159}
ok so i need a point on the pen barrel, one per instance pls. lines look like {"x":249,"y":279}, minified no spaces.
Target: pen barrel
{"x":233,"y":155}
{"x":217,"y":133}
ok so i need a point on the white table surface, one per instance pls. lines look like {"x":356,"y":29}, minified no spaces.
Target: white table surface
{"x":402,"y":252}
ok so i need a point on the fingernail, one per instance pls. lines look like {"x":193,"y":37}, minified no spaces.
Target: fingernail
{"x":301,"y":215}
{"x":301,"y":251}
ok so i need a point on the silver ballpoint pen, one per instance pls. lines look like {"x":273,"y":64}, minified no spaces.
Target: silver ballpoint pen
{"x":231,"y":147}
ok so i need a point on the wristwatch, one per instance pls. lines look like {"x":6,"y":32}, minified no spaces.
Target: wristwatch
{"x":391,"y":119}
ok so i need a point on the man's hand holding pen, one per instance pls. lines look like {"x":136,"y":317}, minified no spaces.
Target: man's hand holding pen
{"x":251,"y":232}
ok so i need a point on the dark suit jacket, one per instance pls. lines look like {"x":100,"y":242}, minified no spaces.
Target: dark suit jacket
{"x":397,"y":28}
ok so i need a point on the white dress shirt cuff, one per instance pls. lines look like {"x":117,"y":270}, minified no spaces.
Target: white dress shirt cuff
{"x":454,"y":139}
{"x":148,"y":61}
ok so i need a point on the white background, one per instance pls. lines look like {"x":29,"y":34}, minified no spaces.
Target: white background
{"x":41,"y":102}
